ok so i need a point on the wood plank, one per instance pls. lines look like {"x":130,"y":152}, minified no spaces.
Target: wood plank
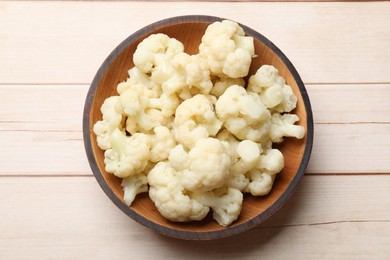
{"x":37,"y":153}
{"x":203,"y":0}
{"x":60,"y":107}
{"x":42,"y":107}
{"x":354,"y":148}
{"x":338,"y":148}
{"x":329,"y":217}
{"x":42,"y":133}
{"x":355,"y":103}
{"x":55,"y":51}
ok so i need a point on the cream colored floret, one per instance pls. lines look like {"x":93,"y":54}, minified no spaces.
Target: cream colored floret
{"x":133,"y":185}
{"x":274,"y":92}
{"x":112,"y":119}
{"x":243,"y":114}
{"x":283,"y":126}
{"x":248,"y":154}
{"x":205,"y":167}
{"x":153,"y":52}
{"x":227,"y":50}
{"x":221,"y":84}
{"x":195,"y":119}
{"x":138,"y":79}
{"x":128,"y":155}
{"x":169,"y":195}
{"x":263,"y":174}
{"x":134,"y":105}
{"x":163,"y":142}
{"x":225,"y":203}
{"x":191,"y":77}
{"x":143,"y":113}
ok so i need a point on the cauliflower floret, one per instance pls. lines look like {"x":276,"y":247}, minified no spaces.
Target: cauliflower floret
{"x":143,"y":113}
{"x":163,"y":142}
{"x":195,"y":119}
{"x":273,"y":91}
{"x":112,"y":119}
{"x":226,"y":49}
{"x":128,"y":155}
{"x":248,"y":153}
{"x":155,"y":51}
{"x":134,"y":104}
{"x":222,"y":83}
{"x":178,"y":158}
{"x":260,"y":182}
{"x":169,"y":195}
{"x":133,"y":185}
{"x":289,"y":101}
{"x":233,"y":142}
{"x":263,"y":175}
{"x":205,"y":167}
{"x":283,"y":125}
{"x":191,"y":77}
{"x":167,"y":104}
{"x":138,"y":79}
{"x":225,"y":203}
{"x":243,"y":114}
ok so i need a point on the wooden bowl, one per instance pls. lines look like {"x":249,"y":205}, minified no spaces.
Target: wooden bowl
{"x":189,"y":30}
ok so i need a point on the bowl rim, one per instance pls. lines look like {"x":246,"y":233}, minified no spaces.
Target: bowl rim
{"x":182,"y":234}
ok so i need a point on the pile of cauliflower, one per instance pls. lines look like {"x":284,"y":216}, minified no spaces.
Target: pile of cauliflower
{"x":187,"y":129}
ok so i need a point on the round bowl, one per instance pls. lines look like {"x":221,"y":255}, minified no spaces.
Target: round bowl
{"x":189,"y":30}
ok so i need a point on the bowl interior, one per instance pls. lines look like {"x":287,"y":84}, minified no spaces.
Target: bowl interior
{"x":256,"y":209}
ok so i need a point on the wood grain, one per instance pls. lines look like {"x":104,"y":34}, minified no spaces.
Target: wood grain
{"x":91,"y":32}
{"x":43,"y":107}
{"x":326,"y":216}
{"x":338,"y":148}
{"x":47,"y":48}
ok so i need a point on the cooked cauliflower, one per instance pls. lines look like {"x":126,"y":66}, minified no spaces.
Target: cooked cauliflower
{"x":138,"y":79}
{"x":127,"y":155}
{"x":169,"y":195}
{"x":166,"y":103}
{"x":195,"y":119}
{"x":273,"y":91}
{"x":226,"y":136}
{"x":134,"y":105}
{"x":225,"y":203}
{"x":191,"y":77}
{"x":221,"y":84}
{"x":133,"y":185}
{"x":153,"y":54}
{"x":192,"y":129}
{"x":143,"y":113}
{"x":247,"y":156}
{"x":283,"y":125}
{"x":205,"y":167}
{"x":112,"y":119}
{"x":227,"y":50}
{"x":262,"y":176}
{"x":242,"y":114}
{"x":163,"y":142}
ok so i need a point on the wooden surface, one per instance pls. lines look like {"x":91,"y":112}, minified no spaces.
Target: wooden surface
{"x":52,"y":207}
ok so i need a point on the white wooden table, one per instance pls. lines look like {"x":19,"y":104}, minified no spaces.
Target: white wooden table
{"x":51,"y":205}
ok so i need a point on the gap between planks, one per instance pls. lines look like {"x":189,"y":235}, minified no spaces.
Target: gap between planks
{"x":326,"y":223}
{"x":331,"y":104}
{"x":76,"y":175}
{"x":88,"y":84}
